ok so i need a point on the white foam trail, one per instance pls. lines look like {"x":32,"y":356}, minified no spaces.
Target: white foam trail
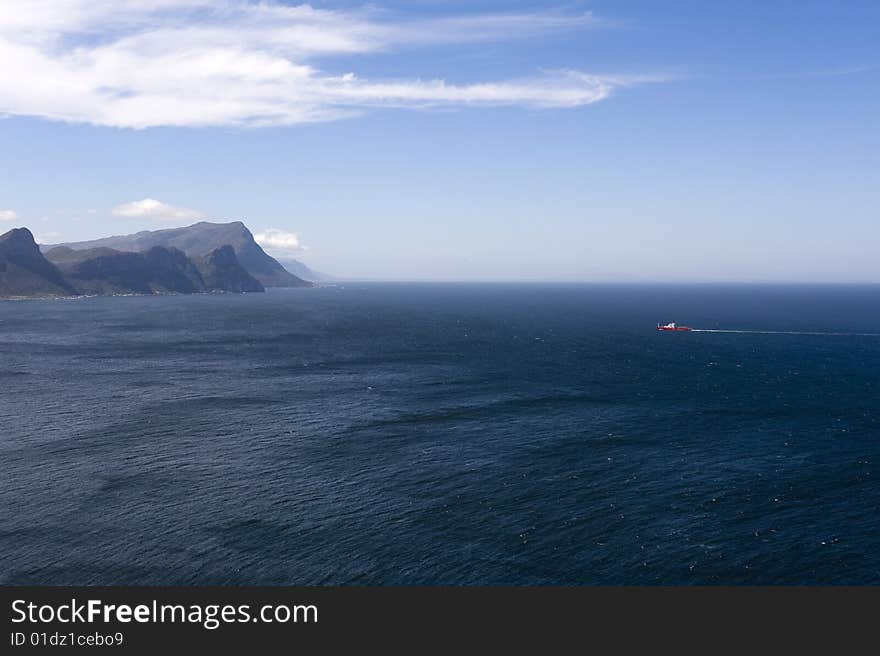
{"x":782,"y":332}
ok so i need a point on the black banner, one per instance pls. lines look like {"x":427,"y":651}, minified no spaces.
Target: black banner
{"x":146,"y":620}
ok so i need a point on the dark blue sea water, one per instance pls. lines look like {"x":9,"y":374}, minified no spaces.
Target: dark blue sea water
{"x":458,"y":434}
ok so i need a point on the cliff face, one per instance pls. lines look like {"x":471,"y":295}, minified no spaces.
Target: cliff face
{"x":24,"y":271}
{"x":200,"y":239}
{"x":221,"y":270}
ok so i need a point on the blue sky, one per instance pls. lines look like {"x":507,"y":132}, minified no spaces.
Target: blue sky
{"x":457,"y":140}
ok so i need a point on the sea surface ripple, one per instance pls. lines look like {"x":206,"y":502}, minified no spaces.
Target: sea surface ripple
{"x":442,"y":434}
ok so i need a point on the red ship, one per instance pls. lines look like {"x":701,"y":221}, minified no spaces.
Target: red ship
{"x":672,"y":326}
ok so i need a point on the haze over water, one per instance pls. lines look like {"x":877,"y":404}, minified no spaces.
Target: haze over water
{"x":402,"y":434}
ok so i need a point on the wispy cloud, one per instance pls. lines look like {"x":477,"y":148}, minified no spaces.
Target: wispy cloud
{"x":8,"y":215}
{"x":150,"y":208}
{"x":280,"y":242}
{"x":50,"y":237}
{"x":145,"y":63}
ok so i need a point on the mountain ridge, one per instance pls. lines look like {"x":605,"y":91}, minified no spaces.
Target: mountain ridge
{"x":26,"y":271}
{"x":199,"y":239}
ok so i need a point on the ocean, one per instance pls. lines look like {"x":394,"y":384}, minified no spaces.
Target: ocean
{"x":522,"y":434}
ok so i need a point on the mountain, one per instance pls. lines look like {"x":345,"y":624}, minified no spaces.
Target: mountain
{"x":199,"y":240}
{"x":300,"y":270}
{"x":109,"y":271}
{"x":24,"y":271}
{"x":205,"y":257}
{"x":221,"y":270}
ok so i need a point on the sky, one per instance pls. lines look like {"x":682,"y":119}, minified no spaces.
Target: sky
{"x":425,"y":140}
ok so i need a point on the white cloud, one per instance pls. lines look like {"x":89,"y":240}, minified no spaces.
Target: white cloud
{"x":279,"y":241}
{"x":145,"y":63}
{"x":8,"y":215}
{"x":150,"y":208}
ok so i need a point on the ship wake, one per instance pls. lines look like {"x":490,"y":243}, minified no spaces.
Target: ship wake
{"x":784,"y":332}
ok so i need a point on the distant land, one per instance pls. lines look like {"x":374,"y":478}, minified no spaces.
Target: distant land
{"x":201,"y":258}
{"x":197,"y":241}
{"x":300,"y":270}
